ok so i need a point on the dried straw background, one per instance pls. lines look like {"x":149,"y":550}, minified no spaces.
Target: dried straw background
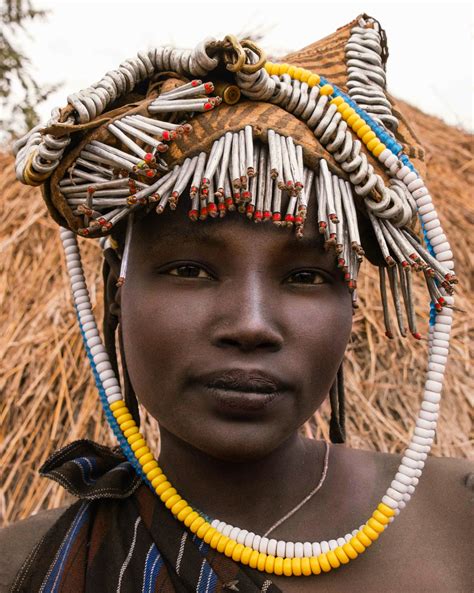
{"x":48,"y":397}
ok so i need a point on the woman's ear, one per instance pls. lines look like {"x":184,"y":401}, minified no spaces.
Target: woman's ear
{"x":111,"y":273}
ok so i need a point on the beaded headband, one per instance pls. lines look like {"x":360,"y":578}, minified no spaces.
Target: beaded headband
{"x":244,"y":135}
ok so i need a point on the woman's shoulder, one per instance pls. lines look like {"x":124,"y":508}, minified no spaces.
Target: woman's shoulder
{"x":431,"y":538}
{"x":443,"y":496}
{"x":19,"y":539}
{"x":457,"y":473}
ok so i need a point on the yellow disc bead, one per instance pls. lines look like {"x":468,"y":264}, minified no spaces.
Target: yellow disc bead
{"x":298,"y":73}
{"x":283,"y":69}
{"x":172,"y":500}
{"x":370,"y":532}
{"x":144,"y":459}
{"x":315,"y":566}
{"x":269,"y":564}
{"x":215,"y":539}
{"x":341,"y":555}
{"x":313,"y":80}
{"x":168,"y":493}
{"x":380,"y":517}
{"x":162,"y":487}
{"x":152,"y":473}
{"x":230,"y":548}
{"x":126,"y":425}
{"x":306,"y":567}
{"x":385,"y":510}
{"x":341,"y":105}
{"x":245,"y":557}
{"x":201,"y":532}
{"x":339,"y":101}
{"x":357,"y":545}
{"x":196,"y":524}
{"x":130,"y":431}
{"x":305,"y":76}
{"x":358,"y":124}
{"x":373,"y":143}
{"x":237,"y":553}
{"x":379,"y":149}
{"x":141,"y":451}
{"x":287,"y":568}
{"x":120,"y":411}
{"x":333,"y":559}
{"x":363,"y":130}
{"x":347,"y":113}
{"x":278,"y":566}
{"x":324,"y":563}
{"x":368,"y":137}
{"x":158,"y":480}
{"x":291,"y":71}
{"x":262,"y":558}
{"x":209,"y":535}
{"x":254,"y":558}
{"x":179,"y":506}
{"x":222,"y":543}
{"x":326,"y":89}
{"x":376,"y":526}
{"x":269,"y":67}
{"x":149,"y":467}
{"x":138,"y":444}
{"x":275,"y":70}
{"x":350,"y":551}
{"x":117,"y":405}
{"x":364,"y":539}
{"x":190,"y":518}
{"x":124,"y":418}
{"x":296,"y":566}
{"x":352,"y":118}
{"x":133,"y":438}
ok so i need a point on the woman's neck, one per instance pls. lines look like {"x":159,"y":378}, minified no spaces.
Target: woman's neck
{"x":252,"y":494}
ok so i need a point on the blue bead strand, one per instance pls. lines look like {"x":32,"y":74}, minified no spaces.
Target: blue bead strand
{"x":397,"y":150}
{"x":124,"y":445}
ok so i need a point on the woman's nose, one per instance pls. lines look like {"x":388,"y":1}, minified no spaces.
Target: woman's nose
{"x":247,"y":318}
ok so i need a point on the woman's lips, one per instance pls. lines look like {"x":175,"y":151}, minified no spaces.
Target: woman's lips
{"x":243,"y":390}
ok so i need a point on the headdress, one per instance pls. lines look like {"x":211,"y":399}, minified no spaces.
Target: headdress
{"x":242,"y":132}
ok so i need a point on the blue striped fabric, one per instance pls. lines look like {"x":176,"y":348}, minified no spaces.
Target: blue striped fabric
{"x":52,"y":582}
{"x":88,"y":467}
{"x":153,"y":564}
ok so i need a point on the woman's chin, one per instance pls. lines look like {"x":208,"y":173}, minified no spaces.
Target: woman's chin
{"x":238,"y":443}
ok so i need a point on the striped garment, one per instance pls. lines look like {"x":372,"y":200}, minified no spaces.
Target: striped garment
{"x":120,"y":538}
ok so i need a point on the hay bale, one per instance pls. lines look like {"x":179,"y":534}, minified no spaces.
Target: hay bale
{"x":49,"y":398}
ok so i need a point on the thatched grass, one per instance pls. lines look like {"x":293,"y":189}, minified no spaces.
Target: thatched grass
{"x":48,"y":397}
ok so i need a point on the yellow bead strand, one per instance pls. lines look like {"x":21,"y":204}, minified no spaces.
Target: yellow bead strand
{"x":358,"y":125}
{"x":197,"y":524}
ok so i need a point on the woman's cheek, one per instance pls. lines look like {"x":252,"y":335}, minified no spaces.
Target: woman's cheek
{"x":160,"y":327}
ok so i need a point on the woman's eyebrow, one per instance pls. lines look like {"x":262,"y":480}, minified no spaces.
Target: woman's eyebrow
{"x":198,"y":235}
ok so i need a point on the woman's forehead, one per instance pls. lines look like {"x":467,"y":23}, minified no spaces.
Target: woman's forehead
{"x":174,"y":227}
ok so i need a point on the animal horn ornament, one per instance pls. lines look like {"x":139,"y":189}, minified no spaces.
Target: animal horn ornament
{"x":287,"y":136}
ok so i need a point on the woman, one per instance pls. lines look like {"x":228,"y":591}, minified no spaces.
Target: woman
{"x":232,"y":334}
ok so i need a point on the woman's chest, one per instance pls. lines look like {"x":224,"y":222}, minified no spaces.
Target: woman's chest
{"x":389,"y":570}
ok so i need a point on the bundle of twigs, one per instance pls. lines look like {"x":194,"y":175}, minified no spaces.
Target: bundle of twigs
{"x":48,"y":397}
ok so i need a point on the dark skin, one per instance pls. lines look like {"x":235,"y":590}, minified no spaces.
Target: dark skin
{"x":232,"y":294}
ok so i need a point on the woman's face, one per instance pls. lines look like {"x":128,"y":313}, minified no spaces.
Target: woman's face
{"x":233,"y":331}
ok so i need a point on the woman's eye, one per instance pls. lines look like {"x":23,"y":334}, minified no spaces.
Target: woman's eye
{"x":307,"y":277}
{"x":189,"y":271}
